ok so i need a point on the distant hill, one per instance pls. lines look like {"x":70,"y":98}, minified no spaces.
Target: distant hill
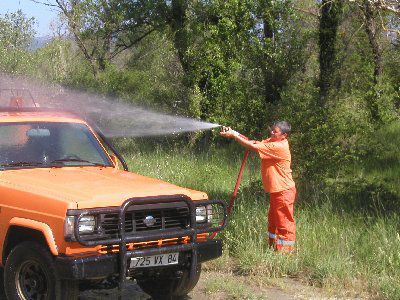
{"x":39,"y":42}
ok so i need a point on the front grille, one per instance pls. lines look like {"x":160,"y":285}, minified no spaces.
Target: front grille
{"x":169,"y":218}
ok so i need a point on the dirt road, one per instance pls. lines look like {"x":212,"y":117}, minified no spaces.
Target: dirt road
{"x":222,"y":286}
{"x":217,"y":286}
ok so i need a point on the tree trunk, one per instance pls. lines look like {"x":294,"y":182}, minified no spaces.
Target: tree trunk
{"x":177,"y":23}
{"x":373,"y":36}
{"x":328,"y":27}
{"x":270,"y":90}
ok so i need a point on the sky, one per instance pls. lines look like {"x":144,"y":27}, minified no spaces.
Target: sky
{"x":43,"y":14}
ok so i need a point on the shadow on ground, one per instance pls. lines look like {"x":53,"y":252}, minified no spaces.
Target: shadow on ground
{"x":132,"y":292}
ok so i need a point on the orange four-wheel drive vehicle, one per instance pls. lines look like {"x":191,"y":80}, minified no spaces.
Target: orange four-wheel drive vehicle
{"x":69,"y":214}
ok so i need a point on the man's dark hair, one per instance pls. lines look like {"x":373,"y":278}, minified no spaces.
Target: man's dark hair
{"x":283,"y":126}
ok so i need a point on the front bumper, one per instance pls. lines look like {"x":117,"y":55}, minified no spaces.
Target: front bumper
{"x":190,"y":254}
{"x":102,"y":266}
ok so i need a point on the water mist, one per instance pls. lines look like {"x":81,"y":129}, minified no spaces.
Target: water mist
{"x":113,"y":117}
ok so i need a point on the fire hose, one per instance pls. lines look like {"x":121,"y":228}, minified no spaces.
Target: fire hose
{"x":238,"y":180}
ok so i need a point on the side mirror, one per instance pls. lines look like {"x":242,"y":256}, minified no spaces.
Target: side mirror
{"x":114,"y":160}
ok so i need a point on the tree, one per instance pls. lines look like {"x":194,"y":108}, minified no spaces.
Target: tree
{"x":16,"y":34}
{"x":177,"y":20}
{"x":16,"y":30}
{"x":281,"y":42}
{"x":392,"y":6}
{"x":103,"y":29}
{"x":378,"y":17}
{"x":251,"y":48}
{"x":328,"y":27}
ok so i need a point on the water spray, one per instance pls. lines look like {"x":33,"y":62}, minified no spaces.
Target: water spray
{"x":114,"y":117}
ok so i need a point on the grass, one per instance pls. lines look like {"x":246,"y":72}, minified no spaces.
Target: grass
{"x":384,"y":163}
{"x":348,"y":253}
{"x":231,"y":288}
{"x":381,"y":168}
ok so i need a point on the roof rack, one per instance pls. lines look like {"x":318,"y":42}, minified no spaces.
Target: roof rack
{"x":16,"y":97}
{"x":37,"y":109}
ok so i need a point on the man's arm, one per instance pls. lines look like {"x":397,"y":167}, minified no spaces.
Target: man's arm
{"x":241,"y":139}
{"x":248,"y":144}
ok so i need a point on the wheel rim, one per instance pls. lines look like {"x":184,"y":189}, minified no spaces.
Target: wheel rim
{"x":31,"y":281}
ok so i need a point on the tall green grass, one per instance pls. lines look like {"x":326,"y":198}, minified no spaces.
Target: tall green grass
{"x":373,"y":182}
{"x":346,"y":252}
{"x":384,"y":162}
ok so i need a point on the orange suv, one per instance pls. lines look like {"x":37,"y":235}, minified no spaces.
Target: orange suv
{"x":69,"y":214}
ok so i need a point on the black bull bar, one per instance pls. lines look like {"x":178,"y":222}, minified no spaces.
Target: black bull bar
{"x":143,"y":236}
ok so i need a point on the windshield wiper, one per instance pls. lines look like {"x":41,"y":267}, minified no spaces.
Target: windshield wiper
{"x":22,"y":164}
{"x":62,"y":160}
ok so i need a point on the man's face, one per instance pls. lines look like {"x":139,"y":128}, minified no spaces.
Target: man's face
{"x":277,"y":134}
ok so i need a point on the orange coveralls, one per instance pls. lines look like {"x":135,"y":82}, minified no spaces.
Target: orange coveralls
{"x":277,"y":180}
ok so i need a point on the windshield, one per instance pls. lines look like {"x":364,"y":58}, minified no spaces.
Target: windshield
{"x":47,"y":144}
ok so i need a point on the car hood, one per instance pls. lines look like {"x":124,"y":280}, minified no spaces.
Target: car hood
{"x":88,"y":187}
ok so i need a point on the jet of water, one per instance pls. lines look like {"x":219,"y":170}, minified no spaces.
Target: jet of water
{"x":114,"y":117}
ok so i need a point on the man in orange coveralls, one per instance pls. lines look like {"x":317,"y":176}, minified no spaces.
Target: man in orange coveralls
{"x":277,"y":181}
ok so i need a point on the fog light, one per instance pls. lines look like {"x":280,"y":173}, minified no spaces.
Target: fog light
{"x":209,"y":213}
{"x":204,"y":214}
{"x":201,"y":214}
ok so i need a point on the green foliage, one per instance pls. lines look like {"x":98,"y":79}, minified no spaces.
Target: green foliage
{"x":391,"y":63}
{"x":149,"y":75}
{"x":56,"y":61}
{"x":16,"y":30}
{"x":103,"y":29}
{"x":16,"y":33}
{"x":229,"y":59}
{"x":382,"y":99}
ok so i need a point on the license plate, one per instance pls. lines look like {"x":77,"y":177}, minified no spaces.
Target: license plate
{"x":154,"y":260}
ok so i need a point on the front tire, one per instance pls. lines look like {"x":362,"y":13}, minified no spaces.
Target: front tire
{"x":30,"y":274}
{"x":165,"y":286}
{"x":2,"y":295}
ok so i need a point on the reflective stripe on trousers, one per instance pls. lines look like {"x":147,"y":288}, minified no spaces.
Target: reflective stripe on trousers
{"x":275,"y":240}
{"x":285,"y":243}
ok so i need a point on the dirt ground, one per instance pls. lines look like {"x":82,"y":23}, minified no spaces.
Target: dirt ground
{"x":221,"y":286}
{"x":218,"y":286}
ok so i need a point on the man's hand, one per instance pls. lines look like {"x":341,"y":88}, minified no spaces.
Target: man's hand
{"x":228,"y":132}
{"x":242,"y":140}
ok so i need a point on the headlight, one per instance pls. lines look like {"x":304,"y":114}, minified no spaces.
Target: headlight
{"x":87,"y":225}
{"x":203,"y":214}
